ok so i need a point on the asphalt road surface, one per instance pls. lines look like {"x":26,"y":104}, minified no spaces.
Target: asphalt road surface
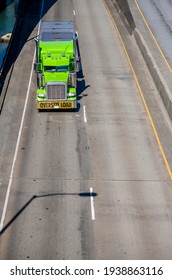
{"x":90,"y":184}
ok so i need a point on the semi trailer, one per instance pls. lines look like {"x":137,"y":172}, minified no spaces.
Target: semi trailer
{"x":56,"y":66}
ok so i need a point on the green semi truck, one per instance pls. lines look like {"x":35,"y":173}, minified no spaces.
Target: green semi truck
{"x":57,"y":61}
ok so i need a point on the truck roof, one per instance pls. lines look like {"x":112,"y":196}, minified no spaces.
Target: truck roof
{"x":57,"y":31}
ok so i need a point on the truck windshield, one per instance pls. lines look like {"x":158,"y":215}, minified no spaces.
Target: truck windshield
{"x":63,"y":68}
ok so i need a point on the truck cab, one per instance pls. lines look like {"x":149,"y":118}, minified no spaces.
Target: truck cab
{"x":56,"y":66}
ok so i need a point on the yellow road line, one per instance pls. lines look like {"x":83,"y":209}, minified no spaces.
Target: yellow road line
{"x":141,"y":94}
{"x":158,"y":46}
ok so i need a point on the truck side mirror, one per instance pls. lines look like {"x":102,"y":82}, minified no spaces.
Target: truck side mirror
{"x":76,"y":36}
{"x":36,"y":39}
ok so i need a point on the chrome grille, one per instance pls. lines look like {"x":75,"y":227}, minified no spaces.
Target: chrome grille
{"x":55,"y":91}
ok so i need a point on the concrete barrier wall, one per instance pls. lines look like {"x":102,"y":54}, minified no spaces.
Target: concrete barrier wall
{"x":124,"y":10}
{"x":165,"y":93}
{"x":161,"y":85}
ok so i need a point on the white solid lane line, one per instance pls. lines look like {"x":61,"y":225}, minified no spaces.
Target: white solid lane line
{"x":92,"y":204}
{"x":85,"y":115}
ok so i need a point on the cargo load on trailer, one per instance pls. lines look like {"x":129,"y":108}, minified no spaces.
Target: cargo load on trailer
{"x":56,"y":65}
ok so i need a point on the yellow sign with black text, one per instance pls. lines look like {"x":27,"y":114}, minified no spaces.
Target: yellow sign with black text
{"x":48,"y":105}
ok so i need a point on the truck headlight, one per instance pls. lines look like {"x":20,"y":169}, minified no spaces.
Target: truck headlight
{"x":70,"y":94}
{"x":41,"y":95}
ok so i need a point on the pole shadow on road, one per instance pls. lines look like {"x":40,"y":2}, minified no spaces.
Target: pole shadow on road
{"x":84,"y":194}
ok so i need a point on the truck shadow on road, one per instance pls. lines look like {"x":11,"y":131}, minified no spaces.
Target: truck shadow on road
{"x":83,"y":194}
{"x":81,"y":85}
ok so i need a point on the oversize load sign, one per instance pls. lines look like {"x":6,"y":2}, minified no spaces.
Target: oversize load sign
{"x":56,"y":105}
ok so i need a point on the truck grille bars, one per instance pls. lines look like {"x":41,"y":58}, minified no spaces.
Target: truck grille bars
{"x":56,"y":91}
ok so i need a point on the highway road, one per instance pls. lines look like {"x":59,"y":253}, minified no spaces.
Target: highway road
{"x":90,"y":184}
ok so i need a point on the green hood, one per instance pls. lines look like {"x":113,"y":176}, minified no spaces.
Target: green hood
{"x":56,"y":76}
